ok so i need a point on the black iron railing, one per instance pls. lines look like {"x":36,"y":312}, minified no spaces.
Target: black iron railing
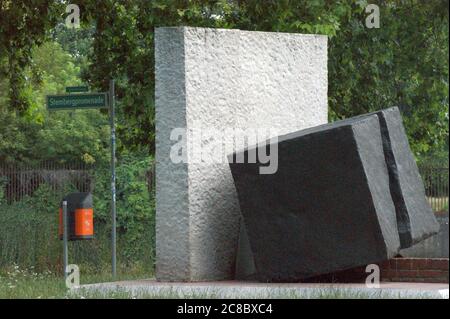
{"x":436,"y":184}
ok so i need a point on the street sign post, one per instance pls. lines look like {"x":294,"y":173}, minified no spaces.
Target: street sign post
{"x":89,"y":101}
{"x":113,"y":175}
{"x":77,"y":101}
{"x":65,"y":237}
{"x":77,"y":89}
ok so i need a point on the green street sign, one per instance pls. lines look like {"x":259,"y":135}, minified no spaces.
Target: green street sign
{"x":77,"y":89}
{"x":77,"y":101}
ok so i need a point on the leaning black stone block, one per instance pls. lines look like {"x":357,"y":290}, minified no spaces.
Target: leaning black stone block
{"x":327,"y":208}
{"x":415,"y":218}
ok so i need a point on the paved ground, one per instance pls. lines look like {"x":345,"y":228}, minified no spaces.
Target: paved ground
{"x":241,"y":289}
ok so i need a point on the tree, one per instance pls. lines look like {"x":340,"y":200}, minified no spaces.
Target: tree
{"x":403,"y":63}
{"x":63,"y":136}
{"x":23,"y":26}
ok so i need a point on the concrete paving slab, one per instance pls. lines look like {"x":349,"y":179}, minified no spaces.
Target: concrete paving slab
{"x":244,"y":289}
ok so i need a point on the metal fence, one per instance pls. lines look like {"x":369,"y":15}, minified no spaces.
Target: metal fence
{"x":18,"y":181}
{"x":436,"y":182}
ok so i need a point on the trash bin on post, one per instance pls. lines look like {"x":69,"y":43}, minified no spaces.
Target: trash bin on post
{"x":80,"y":215}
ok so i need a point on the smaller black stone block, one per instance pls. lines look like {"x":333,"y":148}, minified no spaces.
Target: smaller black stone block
{"x":415,"y":218}
{"x":327,"y":208}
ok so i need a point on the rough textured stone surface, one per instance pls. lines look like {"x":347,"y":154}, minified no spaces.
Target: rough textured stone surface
{"x":433,"y":247}
{"x":223,"y":79}
{"x":415,"y":217}
{"x":172,"y":199}
{"x":327,"y":208}
{"x":245,"y":263}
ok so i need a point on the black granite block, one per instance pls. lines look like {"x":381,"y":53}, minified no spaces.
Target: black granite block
{"x":327,"y":208}
{"x":415,"y":218}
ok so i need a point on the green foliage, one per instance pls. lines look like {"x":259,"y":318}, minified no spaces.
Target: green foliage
{"x":18,"y":282}
{"x":57,"y":69}
{"x":26,"y":235}
{"x":403,"y":63}
{"x":80,"y":135}
{"x":134,"y":203}
{"x":23,"y":25}
{"x":76,"y":42}
{"x":62,"y":136}
{"x":2,"y":192}
{"x":28,"y":228}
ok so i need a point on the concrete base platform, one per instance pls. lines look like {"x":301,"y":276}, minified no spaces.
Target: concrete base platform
{"x":243,"y":289}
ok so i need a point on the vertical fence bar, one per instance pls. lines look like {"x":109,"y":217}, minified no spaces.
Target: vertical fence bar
{"x":7,"y":182}
{"x":431,"y":187}
{"x":433,"y":190}
{"x":436,"y":187}
{"x":6,"y":174}
{"x":446,"y":189}
{"x":16,"y":172}
{"x":2,"y":178}
{"x":12,"y":183}
{"x":79,"y":176}
{"x":24,"y":181}
{"x":30,"y":180}
{"x":441,"y":190}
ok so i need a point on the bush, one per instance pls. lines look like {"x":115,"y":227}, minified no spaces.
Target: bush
{"x":135,"y":208}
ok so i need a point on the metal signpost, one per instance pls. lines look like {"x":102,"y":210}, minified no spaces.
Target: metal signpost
{"x":65,"y":237}
{"x":86,"y":101}
{"x":113,"y":175}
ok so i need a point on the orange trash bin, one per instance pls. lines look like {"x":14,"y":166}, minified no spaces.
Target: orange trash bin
{"x":80,"y":213}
